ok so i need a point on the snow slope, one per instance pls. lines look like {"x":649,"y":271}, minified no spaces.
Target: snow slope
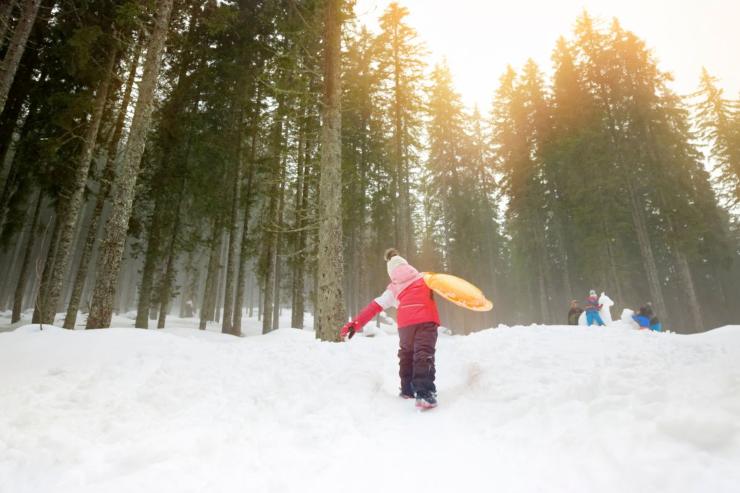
{"x":522,"y":409}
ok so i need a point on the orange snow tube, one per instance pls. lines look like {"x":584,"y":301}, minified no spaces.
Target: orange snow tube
{"x":458,"y":291}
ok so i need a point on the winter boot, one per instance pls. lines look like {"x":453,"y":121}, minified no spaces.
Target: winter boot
{"x":426,"y":400}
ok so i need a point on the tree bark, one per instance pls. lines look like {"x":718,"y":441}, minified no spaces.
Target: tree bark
{"x":277,"y":265}
{"x":151,"y":260}
{"x":243,"y":250}
{"x":71,"y":202}
{"x":5,"y":11}
{"x":20,"y":287}
{"x":331,"y":315}
{"x":209,"y":301}
{"x":40,"y":303}
{"x":684,"y":272}
{"x":272,"y":215}
{"x":17,"y":46}
{"x":646,"y":251}
{"x":109,"y":263}
{"x":299,"y":271}
{"x":227,"y":321}
{"x":169,"y":275}
{"x":106,"y":180}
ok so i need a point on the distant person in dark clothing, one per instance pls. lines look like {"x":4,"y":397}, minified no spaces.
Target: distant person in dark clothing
{"x":574,"y":313}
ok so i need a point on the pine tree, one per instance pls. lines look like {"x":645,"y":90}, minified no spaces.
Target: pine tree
{"x":16,"y":47}
{"x":330,"y":302}
{"x":117,"y":225}
{"x":719,"y":124}
{"x":400,"y":59}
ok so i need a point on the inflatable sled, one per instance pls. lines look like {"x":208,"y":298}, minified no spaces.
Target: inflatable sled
{"x":458,"y":291}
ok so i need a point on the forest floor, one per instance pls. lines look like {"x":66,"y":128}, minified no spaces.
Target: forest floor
{"x":537,"y":408}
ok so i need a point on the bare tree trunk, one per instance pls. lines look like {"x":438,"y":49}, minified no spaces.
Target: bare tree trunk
{"x":331,"y":314}
{"x":17,"y":46}
{"x":206,"y":310}
{"x":116,"y":228}
{"x":71,"y":202}
{"x":106,"y":180}
{"x":20,"y":287}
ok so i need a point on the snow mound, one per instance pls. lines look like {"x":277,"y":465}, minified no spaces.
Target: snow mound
{"x":539,"y":408}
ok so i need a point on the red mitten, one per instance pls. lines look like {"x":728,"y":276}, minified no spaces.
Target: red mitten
{"x":349,"y":329}
{"x":362,"y":318}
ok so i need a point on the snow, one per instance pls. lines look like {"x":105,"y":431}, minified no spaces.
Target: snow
{"x":537,"y":408}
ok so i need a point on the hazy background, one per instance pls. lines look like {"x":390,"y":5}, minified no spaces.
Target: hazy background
{"x":479,"y":38}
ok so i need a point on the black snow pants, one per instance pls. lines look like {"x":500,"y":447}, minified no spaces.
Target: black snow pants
{"x":416,"y":358}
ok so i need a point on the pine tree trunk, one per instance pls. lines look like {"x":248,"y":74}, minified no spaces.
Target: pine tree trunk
{"x":272,"y":215}
{"x":277,"y":266}
{"x":219,"y":287}
{"x":169,"y":275}
{"x":71,"y":202}
{"x":11,"y":183}
{"x":43,"y":290}
{"x":17,"y":46}
{"x":646,"y":251}
{"x":227,"y":323}
{"x":299,"y":272}
{"x":23,"y":276}
{"x":542,"y":277}
{"x":331,"y":315}
{"x":109,"y":264}
{"x":206,"y":310}
{"x":106,"y":179}
{"x":151,"y":261}
{"x":684,"y":272}
{"x":5,"y":11}
{"x":243,"y":250}
{"x":9,"y":259}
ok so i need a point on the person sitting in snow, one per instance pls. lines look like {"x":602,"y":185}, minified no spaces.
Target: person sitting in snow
{"x":574,"y":313}
{"x":418,"y":320}
{"x":646,"y":318}
{"x":592,"y":309}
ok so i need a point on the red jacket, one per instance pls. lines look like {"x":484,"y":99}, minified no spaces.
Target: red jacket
{"x":416,"y":305}
{"x":409,"y":294}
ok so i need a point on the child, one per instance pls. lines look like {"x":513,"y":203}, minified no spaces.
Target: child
{"x":417,"y":328}
{"x":574,"y":313}
{"x":646,"y":319}
{"x":592,"y":309}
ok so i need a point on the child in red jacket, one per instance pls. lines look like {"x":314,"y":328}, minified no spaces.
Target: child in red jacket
{"x":417,"y":328}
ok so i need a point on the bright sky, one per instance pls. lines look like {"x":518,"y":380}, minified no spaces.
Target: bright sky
{"x":480,"y":37}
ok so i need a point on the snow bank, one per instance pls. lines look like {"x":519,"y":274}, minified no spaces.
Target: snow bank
{"x":522,"y":409}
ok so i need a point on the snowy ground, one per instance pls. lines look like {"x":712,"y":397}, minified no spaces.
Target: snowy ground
{"x":522,"y":409}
